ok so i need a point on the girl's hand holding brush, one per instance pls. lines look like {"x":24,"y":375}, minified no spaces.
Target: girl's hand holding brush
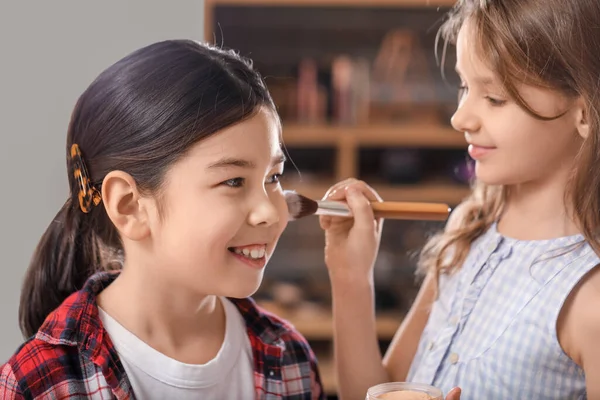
{"x":351,"y":244}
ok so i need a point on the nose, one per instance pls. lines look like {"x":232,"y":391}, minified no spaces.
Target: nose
{"x":264,"y":212}
{"x":465,"y":118}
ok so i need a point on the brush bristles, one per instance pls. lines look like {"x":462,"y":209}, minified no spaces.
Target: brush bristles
{"x":300,"y":206}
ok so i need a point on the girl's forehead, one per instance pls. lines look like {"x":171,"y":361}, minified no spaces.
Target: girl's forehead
{"x":256,"y":139}
{"x":470,"y":61}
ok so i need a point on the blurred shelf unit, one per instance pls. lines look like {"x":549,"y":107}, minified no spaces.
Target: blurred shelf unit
{"x":334,"y":3}
{"x":408,"y":135}
{"x":349,"y":76}
{"x":209,"y":6}
{"x":435,"y":192}
{"x":360,"y":94}
{"x":318,"y":325}
{"x":347,"y":141}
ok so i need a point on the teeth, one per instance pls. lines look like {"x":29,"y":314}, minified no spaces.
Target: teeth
{"x":251,"y":253}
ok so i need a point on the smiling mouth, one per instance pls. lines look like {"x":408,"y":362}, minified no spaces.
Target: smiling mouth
{"x":255,"y":252}
{"x":479,"y":152}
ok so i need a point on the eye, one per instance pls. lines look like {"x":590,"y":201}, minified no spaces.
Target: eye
{"x":495,"y":102}
{"x":463,"y":89}
{"x":274,"y":178}
{"x":234,"y":182}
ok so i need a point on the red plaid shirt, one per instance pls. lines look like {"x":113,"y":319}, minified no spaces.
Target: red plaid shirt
{"x":72,"y":356}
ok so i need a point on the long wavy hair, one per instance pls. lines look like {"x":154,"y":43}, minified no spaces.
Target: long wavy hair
{"x":554,"y":45}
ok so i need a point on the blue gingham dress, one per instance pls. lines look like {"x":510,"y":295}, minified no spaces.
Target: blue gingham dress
{"x":492,"y":331}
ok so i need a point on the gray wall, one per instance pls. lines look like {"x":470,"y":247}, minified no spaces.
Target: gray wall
{"x":49,"y":52}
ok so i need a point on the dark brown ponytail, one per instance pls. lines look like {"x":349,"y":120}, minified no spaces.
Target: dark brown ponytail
{"x":139,"y":116}
{"x":68,"y":253}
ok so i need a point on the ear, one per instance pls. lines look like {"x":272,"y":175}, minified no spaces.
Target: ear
{"x":121,"y":200}
{"x":582,"y":118}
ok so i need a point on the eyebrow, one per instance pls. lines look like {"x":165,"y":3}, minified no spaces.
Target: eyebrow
{"x":228,"y":162}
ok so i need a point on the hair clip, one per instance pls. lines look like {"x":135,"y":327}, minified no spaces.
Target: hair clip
{"x":88,"y":195}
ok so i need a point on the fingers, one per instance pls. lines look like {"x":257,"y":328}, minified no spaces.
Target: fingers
{"x":360,"y":206}
{"x":337,"y":191}
{"x":358,"y":195}
{"x":369,"y":192}
{"x":454,"y":394}
{"x":325,"y":222}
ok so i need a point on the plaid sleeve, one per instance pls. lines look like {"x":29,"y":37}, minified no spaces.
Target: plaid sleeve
{"x":285,"y":364}
{"x":9,"y":386}
{"x":316,"y":387}
{"x":300,"y":369}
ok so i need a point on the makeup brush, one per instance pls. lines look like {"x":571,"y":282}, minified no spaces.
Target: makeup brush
{"x":301,"y":206}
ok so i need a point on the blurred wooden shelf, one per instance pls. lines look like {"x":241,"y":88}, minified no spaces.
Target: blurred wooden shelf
{"x":434,"y":192}
{"x":327,"y":371}
{"x":321,"y":328}
{"x":319,"y":325}
{"x":334,"y":3}
{"x":401,"y":135}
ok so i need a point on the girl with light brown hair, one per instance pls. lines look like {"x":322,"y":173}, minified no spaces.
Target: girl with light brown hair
{"x":508,"y":306}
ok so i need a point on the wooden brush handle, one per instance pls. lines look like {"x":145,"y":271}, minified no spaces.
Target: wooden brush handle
{"x":412,"y":211}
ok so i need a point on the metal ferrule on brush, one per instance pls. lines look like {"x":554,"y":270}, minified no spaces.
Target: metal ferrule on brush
{"x":333,"y":208}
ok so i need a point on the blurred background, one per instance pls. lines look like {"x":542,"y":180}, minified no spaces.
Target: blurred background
{"x":356,"y":82}
{"x":50,"y":51}
{"x":361,"y":94}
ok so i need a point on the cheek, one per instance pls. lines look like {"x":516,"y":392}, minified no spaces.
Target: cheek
{"x":196,"y":230}
{"x":543,"y":141}
{"x":216,"y":229}
{"x":197,"y":247}
{"x":282,"y":211}
{"x":515,"y":132}
{"x":283,"y":221}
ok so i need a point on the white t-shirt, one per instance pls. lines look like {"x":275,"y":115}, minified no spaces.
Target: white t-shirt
{"x":230,"y":375}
